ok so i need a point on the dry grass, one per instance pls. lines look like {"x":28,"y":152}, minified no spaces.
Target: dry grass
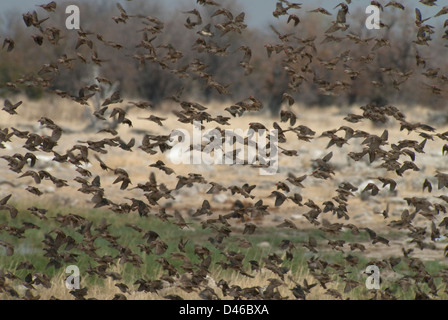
{"x":137,"y":165}
{"x":107,"y":290}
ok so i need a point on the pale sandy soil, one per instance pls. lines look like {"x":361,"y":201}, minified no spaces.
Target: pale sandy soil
{"x":362,"y":212}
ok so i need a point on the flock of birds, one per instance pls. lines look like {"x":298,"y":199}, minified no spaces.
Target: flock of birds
{"x":299,"y":59}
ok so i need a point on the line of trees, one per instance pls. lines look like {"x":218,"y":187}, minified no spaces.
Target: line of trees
{"x":392,"y":76}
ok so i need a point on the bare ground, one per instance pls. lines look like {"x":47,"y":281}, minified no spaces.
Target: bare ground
{"x":364,"y":210}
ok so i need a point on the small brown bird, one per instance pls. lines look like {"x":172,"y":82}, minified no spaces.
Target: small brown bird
{"x":127,"y":146}
{"x":311,"y":245}
{"x":35,"y":175}
{"x":10,"y":107}
{"x":359,"y":246}
{"x":180,"y":220}
{"x":395,"y":4}
{"x":102,"y":164}
{"x":189,"y":24}
{"x":288,"y":115}
{"x":249,"y":228}
{"x":321,"y":10}
{"x":49,"y":7}
{"x":293,"y":17}
{"x":375,"y":238}
{"x":427,"y":184}
{"x":10,"y":43}
{"x":216,"y":188}
{"x":442,"y":180}
{"x":12,"y":210}
{"x":445,"y":149}
{"x":428,"y":3}
{"x":161,"y":166}
{"x":205,"y":32}
{"x":38,"y":39}
{"x":287,"y":224}
{"x":207,"y":3}
{"x":257,"y":126}
{"x":9,"y":248}
{"x":377,"y":4}
{"x":79,"y":294}
{"x":114,"y":98}
{"x":279,"y":198}
{"x":442,"y":12}
{"x":155,"y":119}
{"x":223,"y":11}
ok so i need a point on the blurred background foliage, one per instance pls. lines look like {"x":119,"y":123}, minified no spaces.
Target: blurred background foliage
{"x":269,"y":79}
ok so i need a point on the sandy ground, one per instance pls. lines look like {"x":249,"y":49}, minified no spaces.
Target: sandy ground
{"x":364,"y":210}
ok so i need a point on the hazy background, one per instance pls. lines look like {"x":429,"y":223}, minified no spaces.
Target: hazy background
{"x":258,"y":12}
{"x":269,"y":79}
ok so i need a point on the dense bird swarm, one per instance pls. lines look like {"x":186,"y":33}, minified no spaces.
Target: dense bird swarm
{"x":299,"y":58}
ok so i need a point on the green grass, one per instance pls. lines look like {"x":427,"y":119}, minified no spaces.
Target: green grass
{"x":196,"y":235}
